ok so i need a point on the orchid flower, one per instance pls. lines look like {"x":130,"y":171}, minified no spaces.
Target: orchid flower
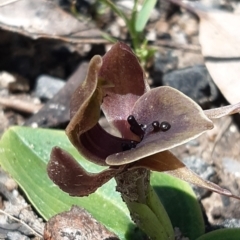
{"x":150,"y":123}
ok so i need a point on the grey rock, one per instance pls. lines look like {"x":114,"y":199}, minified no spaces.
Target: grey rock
{"x":203,"y":169}
{"x":47,"y":86}
{"x":231,"y":223}
{"x":16,"y":236}
{"x":195,"y":82}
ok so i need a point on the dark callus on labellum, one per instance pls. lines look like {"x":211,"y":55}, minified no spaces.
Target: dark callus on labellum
{"x":163,"y":126}
{"x":135,"y":127}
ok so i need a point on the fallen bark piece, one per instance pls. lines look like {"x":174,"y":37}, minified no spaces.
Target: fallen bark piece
{"x":76,"y":224}
{"x":45,"y":19}
{"x":219,"y":39}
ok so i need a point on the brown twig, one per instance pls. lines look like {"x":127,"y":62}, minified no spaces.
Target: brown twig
{"x":175,"y":45}
{"x":20,"y":105}
{"x":223,"y":129}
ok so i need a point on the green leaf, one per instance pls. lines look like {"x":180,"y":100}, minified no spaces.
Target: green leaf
{"x":144,"y":14}
{"x":160,"y":212}
{"x":24,"y":153}
{"x":222,"y":234}
{"x":180,"y":203}
{"x":149,"y":221}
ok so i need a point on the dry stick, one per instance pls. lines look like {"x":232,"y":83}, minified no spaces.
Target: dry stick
{"x":8,"y":2}
{"x":223,"y":129}
{"x":73,"y":40}
{"x":20,"y":105}
{"x":169,"y":44}
{"x":22,"y":222}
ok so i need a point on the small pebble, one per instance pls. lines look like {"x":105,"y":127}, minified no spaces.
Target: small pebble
{"x":5,"y":79}
{"x":232,"y":166}
{"x":10,"y":184}
{"x":47,"y":86}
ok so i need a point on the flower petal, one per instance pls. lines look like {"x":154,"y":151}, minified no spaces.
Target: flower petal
{"x":85,"y":106}
{"x":66,"y":172}
{"x":122,"y":69}
{"x":164,"y":104}
{"x":167,"y":162}
{"x":96,"y":144}
{"x":87,"y":96}
{"x":223,"y":111}
{"x":83,"y":130}
{"x":160,"y":162}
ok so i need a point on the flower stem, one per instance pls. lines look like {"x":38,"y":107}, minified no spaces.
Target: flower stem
{"x":145,"y":207}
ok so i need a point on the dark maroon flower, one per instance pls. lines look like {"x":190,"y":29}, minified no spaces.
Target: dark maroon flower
{"x":150,"y":123}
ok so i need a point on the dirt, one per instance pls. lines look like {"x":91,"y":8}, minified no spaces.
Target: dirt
{"x":219,"y":147}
